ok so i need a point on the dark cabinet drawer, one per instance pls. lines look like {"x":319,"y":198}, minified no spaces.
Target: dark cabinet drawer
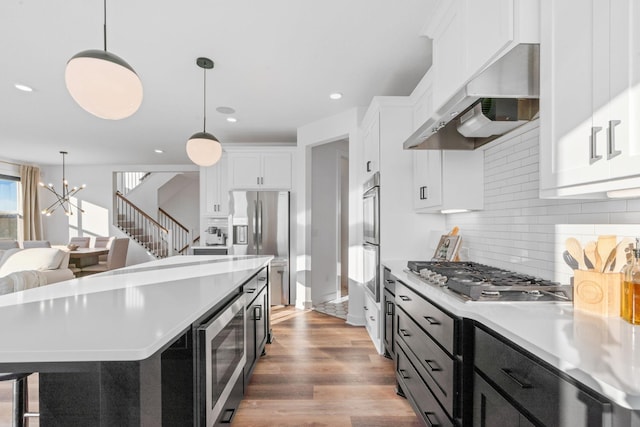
{"x":547,"y":397}
{"x":389,"y":281}
{"x":421,"y":398}
{"x":388,"y":331}
{"x":438,"y":324}
{"x":433,"y":364}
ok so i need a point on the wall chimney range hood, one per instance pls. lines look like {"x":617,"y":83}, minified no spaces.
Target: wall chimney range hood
{"x":501,"y":98}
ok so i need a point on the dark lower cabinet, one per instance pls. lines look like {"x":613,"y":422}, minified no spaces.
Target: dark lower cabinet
{"x":388,"y":336}
{"x":257,"y":328}
{"x":491,"y":409}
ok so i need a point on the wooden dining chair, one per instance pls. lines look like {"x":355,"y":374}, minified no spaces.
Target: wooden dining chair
{"x":116,"y":258}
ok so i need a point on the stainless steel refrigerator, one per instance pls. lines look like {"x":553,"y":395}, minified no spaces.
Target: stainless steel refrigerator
{"x":260,"y":221}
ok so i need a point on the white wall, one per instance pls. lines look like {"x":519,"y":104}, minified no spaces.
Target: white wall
{"x":145,"y":196}
{"x":339,"y":127}
{"x":325,"y":203}
{"x":517,"y":230}
{"x":97,"y":200}
{"x":177,"y":198}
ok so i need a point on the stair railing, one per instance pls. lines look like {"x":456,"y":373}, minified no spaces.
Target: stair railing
{"x":181,"y":236}
{"x":130,"y":180}
{"x":142,"y":228}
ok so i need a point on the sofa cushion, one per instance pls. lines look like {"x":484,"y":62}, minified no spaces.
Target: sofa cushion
{"x":33,"y":259}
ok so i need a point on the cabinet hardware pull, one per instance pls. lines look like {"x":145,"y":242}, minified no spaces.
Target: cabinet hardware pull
{"x":262,"y":180}
{"x":521,"y":383}
{"x":405,"y":333}
{"x":369,"y":166}
{"x":611,"y":140}
{"x":366,"y":308}
{"x":373,"y":319}
{"x":390,"y":281}
{"x":389,"y":308}
{"x":428,"y":416}
{"x":251,"y":290}
{"x":258,"y":180}
{"x":258,"y":309}
{"x":227,"y":416}
{"x":433,"y":365}
{"x":403,"y":373}
{"x":424,"y":195}
{"x":404,"y":298}
{"x":432,"y":320}
{"x":262,"y":279}
{"x":593,"y":157}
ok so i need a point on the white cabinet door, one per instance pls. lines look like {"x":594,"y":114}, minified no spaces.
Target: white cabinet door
{"x":423,"y":107}
{"x":489,"y":26}
{"x":260,"y":171}
{"x":276,"y":171}
{"x":589,"y":102}
{"x":427,"y":179}
{"x":448,"y":54}
{"x":371,"y":145}
{"x":215,"y":189}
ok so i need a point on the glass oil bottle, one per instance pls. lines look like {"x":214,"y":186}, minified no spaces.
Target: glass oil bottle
{"x":630,"y":298}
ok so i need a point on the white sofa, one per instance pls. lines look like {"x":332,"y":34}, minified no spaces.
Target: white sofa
{"x":22,"y":269}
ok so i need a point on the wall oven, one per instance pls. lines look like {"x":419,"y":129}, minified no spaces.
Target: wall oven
{"x":371,"y":235}
{"x":221,"y":359}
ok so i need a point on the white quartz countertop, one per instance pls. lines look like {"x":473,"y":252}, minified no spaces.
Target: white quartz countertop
{"x":602,"y":353}
{"x":126,"y":314}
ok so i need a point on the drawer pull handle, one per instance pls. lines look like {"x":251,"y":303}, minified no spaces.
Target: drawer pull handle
{"x":433,"y":365}
{"x":262,"y":279}
{"x":431,"y":418}
{"x":390,"y":281}
{"x":403,"y":374}
{"x":390,"y":307}
{"x":593,"y":156}
{"x":257,"y":312}
{"x":404,"y":298}
{"x":405,"y":333}
{"x":432,"y":320}
{"x":251,"y":290}
{"x":373,"y":319}
{"x":521,"y":383}
{"x":366,"y":308}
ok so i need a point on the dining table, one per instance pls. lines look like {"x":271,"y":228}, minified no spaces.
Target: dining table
{"x":83,"y":257}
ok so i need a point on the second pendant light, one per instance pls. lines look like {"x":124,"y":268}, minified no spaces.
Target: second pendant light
{"x":203,"y":148}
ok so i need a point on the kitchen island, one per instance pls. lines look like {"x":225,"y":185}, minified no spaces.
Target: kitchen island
{"x":583,"y":352}
{"x":100,"y":343}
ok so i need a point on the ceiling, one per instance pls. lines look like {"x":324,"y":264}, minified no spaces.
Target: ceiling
{"x":276,"y":62}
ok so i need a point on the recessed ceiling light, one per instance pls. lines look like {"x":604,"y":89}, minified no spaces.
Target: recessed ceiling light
{"x":225,"y":110}
{"x":335,"y":95}
{"x":159,"y":151}
{"x":23,"y":88}
{"x":232,"y":119}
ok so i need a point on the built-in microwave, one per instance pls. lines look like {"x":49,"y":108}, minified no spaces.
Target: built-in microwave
{"x":221,"y":359}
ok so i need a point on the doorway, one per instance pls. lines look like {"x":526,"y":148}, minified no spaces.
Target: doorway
{"x":330,"y":227}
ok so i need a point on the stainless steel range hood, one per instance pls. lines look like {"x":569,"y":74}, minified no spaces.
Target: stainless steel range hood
{"x":502,"y":97}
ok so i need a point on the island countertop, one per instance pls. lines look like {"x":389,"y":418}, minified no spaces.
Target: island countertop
{"x":602,"y":353}
{"x":126,"y":314}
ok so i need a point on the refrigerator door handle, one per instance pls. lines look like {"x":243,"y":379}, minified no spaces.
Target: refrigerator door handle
{"x":255,"y":225}
{"x":260,"y":223}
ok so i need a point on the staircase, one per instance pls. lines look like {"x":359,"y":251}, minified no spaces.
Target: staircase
{"x":181,"y":237}
{"x":143,"y":229}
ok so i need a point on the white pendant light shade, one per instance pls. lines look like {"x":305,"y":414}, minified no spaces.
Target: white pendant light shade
{"x":204,"y":149}
{"x":103,"y":84}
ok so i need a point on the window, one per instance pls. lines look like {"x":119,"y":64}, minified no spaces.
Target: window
{"x":9,"y":207}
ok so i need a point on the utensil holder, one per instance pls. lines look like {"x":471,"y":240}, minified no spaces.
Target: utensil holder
{"x":596,"y":292}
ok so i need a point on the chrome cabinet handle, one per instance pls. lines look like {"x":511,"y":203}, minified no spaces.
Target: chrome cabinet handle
{"x":404,"y":333}
{"x":403,"y":374}
{"x":432,"y":320}
{"x":258,"y":180}
{"x":593,"y":157}
{"x":520,"y":382}
{"x":257,"y":312}
{"x":390,"y":281}
{"x":611,"y":140}
{"x":404,"y":298}
{"x":389,"y":308}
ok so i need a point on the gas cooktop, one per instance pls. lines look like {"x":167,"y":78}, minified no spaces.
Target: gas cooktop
{"x":479,"y":282}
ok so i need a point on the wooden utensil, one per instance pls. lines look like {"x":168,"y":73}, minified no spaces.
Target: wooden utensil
{"x":606,"y":244}
{"x":621,"y":254}
{"x":575,"y":250}
{"x":590,"y":253}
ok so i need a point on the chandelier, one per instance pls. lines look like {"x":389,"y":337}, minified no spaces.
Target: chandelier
{"x":62,"y":199}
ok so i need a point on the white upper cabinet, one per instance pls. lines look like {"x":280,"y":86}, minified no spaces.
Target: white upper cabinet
{"x":422,"y":97}
{"x":214,"y":189}
{"x":468,"y":35}
{"x":448,"y":180}
{"x":259,"y":171}
{"x":589,"y":99}
{"x":371,"y":144}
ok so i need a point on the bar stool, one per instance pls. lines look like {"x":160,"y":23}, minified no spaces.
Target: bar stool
{"x":19,"y":413}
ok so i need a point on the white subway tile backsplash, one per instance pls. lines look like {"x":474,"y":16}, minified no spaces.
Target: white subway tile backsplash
{"x":519,"y":231}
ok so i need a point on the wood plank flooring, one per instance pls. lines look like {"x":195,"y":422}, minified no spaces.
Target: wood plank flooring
{"x":319,"y":371}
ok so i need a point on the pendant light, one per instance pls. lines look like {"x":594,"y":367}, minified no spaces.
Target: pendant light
{"x":63,"y":199}
{"x":103,"y":83}
{"x":203,"y":148}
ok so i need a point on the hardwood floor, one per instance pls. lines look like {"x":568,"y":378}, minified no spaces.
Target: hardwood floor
{"x":319,"y":371}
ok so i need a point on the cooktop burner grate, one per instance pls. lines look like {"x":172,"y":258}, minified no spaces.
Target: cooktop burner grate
{"x":481,"y":282}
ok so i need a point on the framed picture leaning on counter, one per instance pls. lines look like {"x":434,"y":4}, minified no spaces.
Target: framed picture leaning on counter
{"x":447,"y":248}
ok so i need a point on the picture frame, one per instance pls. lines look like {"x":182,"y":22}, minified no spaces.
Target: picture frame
{"x":447,"y":248}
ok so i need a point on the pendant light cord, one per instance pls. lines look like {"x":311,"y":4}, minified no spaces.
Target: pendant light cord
{"x":105,"y":25}
{"x":204,"y":102}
